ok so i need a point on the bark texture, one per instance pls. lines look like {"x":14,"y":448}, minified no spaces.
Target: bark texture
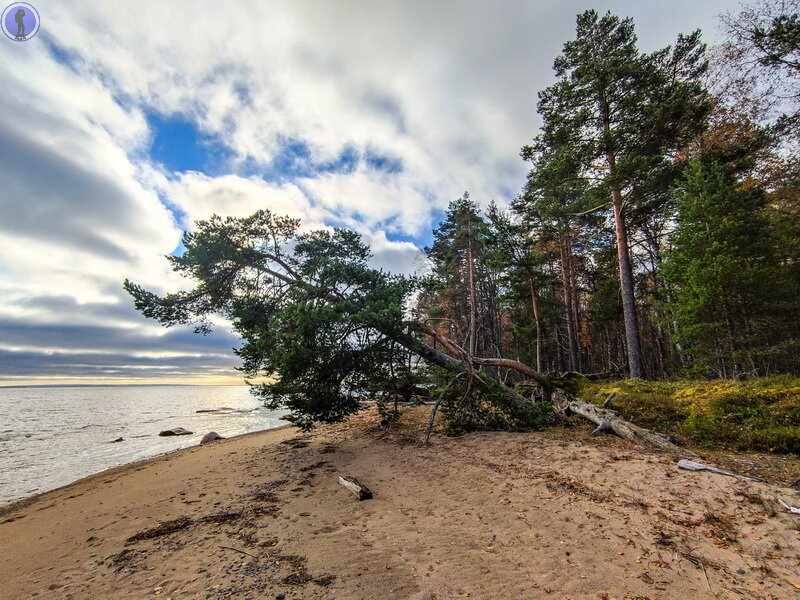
{"x":608,"y":420}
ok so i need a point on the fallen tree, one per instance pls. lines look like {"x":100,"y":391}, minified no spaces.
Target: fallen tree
{"x":609,"y":421}
{"x":327,"y":330}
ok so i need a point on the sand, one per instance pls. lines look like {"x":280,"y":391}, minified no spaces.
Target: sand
{"x":486,"y":515}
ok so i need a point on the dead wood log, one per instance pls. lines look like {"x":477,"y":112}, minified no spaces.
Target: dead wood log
{"x":604,"y":427}
{"x":608,"y":420}
{"x":691,"y":465}
{"x":359,"y":489}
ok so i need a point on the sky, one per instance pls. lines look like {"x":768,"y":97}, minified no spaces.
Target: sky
{"x":121,"y":123}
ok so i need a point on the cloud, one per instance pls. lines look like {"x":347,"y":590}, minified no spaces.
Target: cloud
{"x":393,"y":256}
{"x":199,"y":196}
{"x":366,"y":115}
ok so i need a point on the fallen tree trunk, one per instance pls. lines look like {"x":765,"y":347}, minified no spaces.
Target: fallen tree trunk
{"x":609,"y":421}
{"x":691,"y":465}
{"x":507,"y":363}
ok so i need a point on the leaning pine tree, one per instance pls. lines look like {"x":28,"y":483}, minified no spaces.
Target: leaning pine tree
{"x":326,"y":330}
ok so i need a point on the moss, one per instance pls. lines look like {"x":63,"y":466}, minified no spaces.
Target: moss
{"x":573,"y":382}
{"x":760,"y":414}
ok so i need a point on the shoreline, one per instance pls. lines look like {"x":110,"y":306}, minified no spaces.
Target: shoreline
{"x":489,"y":515}
{"x":23,"y":502}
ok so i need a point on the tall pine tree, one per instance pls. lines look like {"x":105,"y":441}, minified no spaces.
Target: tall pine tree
{"x":623,"y":114}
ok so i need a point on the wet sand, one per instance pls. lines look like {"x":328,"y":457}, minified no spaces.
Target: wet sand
{"x":487,"y":515}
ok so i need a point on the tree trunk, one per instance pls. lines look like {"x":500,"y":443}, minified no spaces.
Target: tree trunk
{"x":632,"y":339}
{"x":537,"y":317}
{"x":608,"y":420}
{"x":566,"y":279}
{"x":573,"y":282}
{"x":472,"y":334}
{"x":508,"y":363}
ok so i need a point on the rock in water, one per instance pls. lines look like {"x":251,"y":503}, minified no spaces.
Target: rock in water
{"x":210,"y":437}
{"x":175,"y":431}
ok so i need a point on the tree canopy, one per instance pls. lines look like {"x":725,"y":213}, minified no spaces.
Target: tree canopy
{"x":656,"y":235}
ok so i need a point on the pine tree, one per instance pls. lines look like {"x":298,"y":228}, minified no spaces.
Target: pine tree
{"x":521,"y":263}
{"x":733,"y":296}
{"x":553,"y":197}
{"x":464,"y":287}
{"x":621,"y":114}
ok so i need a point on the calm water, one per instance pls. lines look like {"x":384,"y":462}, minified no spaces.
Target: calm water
{"x":52,"y":436}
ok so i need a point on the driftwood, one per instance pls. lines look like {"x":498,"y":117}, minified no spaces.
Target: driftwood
{"x":608,"y":421}
{"x":359,"y":489}
{"x":791,"y":509}
{"x":691,"y":465}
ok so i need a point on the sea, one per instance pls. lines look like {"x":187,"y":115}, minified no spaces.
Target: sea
{"x":52,"y":436}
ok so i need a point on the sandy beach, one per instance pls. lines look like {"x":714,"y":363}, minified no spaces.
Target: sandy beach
{"x":486,"y":515}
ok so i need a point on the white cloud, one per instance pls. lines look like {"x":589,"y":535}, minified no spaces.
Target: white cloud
{"x":444,"y":91}
{"x":200,"y":196}
{"x":392,"y":256}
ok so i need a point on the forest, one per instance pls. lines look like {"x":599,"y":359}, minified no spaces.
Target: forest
{"x":653,"y":252}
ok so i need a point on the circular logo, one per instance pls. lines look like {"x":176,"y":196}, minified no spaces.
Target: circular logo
{"x":20,"y":21}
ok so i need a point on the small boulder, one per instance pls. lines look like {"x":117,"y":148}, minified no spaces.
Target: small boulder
{"x":119,"y":439}
{"x":175,"y":431}
{"x":210,"y":437}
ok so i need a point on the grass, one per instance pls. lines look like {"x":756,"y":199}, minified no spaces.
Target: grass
{"x":759,"y":414}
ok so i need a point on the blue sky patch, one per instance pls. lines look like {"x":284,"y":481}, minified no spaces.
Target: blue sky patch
{"x":180,"y":146}
{"x":59,"y":54}
{"x":295,"y":161}
{"x":383,"y":162}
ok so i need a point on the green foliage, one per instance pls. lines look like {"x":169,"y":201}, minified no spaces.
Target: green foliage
{"x":611,"y":99}
{"x":462,"y":242}
{"x":571,"y":382}
{"x":484,"y":407}
{"x":779,"y":42}
{"x":759,"y":414}
{"x":734,"y":299}
{"x":316,"y":322}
